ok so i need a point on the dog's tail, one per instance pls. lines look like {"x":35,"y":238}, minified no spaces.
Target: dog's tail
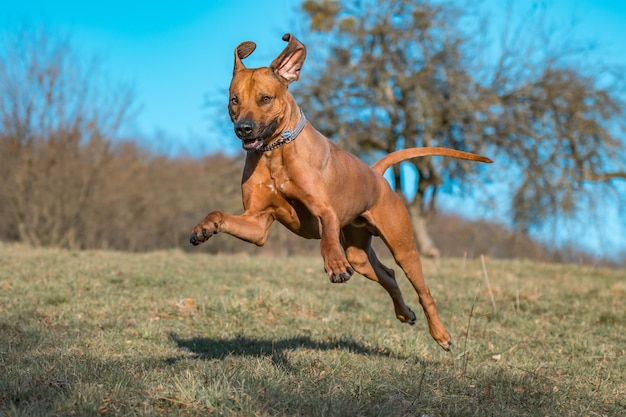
{"x":404,"y":154}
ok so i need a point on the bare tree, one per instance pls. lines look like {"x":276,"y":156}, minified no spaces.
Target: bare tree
{"x":67,"y":176}
{"x":58,"y":115}
{"x":402,"y":73}
{"x":556,"y":120}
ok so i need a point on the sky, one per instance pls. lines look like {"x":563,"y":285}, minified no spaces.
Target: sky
{"x":174,"y":54}
{"x":177,"y":55}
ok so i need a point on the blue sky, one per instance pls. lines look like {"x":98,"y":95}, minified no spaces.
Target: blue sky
{"x":175,"y":54}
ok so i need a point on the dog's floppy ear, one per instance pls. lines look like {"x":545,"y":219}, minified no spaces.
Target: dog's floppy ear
{"x":241,"y":51}
{"x":288,"y":64}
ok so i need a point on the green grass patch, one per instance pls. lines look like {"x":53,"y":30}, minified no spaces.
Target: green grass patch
{"x":103,"y":333}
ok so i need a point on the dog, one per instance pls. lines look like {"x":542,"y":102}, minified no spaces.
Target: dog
{"x":315,"y":189}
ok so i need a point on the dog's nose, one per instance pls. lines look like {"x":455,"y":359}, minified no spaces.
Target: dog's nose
{"x":244,"y":128}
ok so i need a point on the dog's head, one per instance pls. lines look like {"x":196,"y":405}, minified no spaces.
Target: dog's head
{"x":259,"y":99}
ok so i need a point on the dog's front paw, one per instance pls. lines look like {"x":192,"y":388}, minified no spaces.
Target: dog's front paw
{"x":339,"y":271}
{"x":207,"y":228}
{"x":199,"y":236}
{"x":342,"y":276}
{"x":201,"y":233}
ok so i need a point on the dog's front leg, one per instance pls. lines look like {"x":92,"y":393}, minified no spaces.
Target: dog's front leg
{"x":308,"y":187}
{"x":335,"y":263}
{"x":251,"y":227}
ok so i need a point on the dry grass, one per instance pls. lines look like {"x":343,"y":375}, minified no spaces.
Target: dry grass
{"x":167,"y":333}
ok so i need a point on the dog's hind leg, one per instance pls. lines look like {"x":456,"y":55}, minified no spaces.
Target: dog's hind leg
{"x":393,"y":224}
{"x":361,"y":256}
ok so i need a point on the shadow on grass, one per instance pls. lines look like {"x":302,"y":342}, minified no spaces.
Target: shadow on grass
{"x":209,"y":348}
{"x":41,"y":372}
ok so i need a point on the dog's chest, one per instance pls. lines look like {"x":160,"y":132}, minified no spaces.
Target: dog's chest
{"x":280,"y":181}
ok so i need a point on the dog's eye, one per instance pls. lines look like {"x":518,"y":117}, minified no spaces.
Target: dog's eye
{"x":266,"y":99}
{"x":234,"y":100}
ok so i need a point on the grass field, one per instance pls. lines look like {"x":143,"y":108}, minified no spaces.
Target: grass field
{"x":168,"y":333}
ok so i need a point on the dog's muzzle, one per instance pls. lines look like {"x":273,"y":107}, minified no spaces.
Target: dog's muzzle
{"x":252,"y":135}
{"x":244,"y":129}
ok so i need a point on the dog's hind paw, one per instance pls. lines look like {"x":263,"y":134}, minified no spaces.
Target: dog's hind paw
{"x":411,"y":319}
{"x":447,"y":345}
{"x":443,"y":339}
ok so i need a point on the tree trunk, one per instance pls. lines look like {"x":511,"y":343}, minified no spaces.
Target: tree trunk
{"x":425,"y":243}
{"x":419,"y":219}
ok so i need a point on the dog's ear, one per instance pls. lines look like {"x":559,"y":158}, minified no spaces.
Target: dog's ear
{"x":288,"y":64}
{"x":241,"y":51}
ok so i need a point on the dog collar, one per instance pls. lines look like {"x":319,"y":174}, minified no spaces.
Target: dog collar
{"x":286,"y":137}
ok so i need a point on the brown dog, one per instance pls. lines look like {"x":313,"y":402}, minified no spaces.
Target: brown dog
{"x":295,"y":175}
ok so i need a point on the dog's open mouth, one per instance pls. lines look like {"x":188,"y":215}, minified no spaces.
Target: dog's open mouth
{"x":252,"y":141}
{"x":252,"y":144}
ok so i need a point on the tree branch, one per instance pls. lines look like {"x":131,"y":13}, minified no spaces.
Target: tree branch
{"x":604,"y":177}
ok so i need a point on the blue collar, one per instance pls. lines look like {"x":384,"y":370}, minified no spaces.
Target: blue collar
{"x":286,"y":137}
